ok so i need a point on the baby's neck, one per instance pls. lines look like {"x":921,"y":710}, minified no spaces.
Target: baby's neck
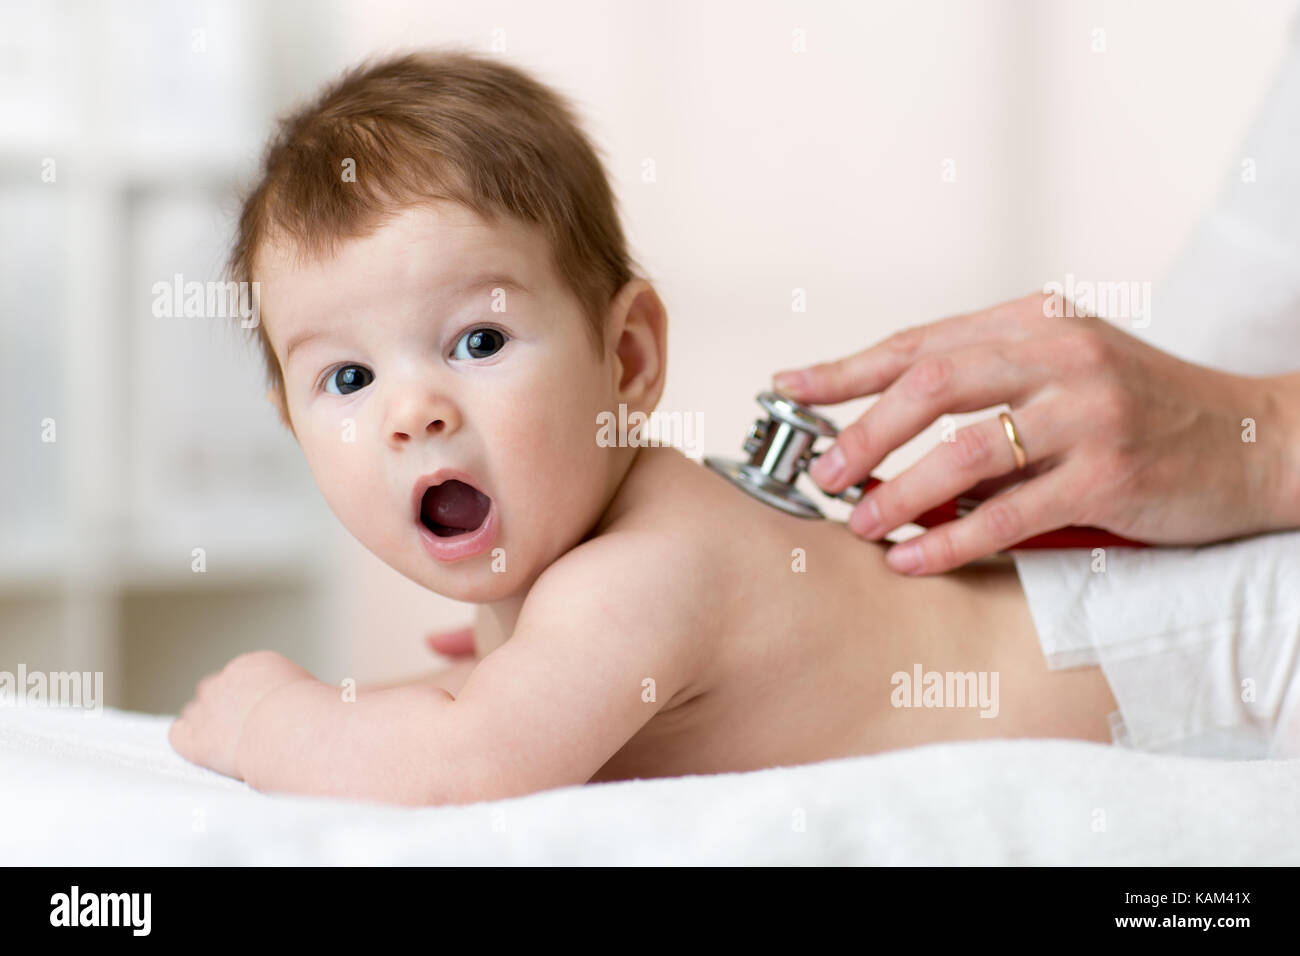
{"x":495,"y":622}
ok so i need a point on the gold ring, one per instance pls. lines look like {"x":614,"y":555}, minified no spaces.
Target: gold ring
{"x":1014,"y":437}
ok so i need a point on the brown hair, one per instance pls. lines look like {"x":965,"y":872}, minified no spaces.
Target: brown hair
{"x":436,"y":124}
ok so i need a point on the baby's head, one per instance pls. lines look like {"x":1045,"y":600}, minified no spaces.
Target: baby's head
{"x":447,"y":300}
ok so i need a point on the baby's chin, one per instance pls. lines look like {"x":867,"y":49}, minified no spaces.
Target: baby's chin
{"x":481,"y":579}
{"x":478,"y":579}
{"x":472,"y":585}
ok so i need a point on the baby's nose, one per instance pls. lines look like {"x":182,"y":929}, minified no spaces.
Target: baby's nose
{"x":420,"y":416}
{"x":433,"y":428}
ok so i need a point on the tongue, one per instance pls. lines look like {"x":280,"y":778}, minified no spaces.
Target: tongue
{"x":454,"y":507}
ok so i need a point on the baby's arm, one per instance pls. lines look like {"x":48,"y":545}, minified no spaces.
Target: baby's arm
{"x":450,"y":678}
{"x":603,"y":641}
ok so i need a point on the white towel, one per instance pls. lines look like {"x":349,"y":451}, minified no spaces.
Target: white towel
{"x":110,"y":791}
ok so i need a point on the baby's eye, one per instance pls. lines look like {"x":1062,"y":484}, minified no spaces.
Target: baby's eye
{"x":347,"y":379}
{"x":479,"y":343}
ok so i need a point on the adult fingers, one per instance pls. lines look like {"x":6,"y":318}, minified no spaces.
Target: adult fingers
{"x":991,"y":486}
{"x":873,"y":369}
{"x":980,"y":451}
{"x":997,"y":524}
{"x":962,"y":381}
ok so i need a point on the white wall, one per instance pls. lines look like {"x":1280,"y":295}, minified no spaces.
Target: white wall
{"x":775,"y":170}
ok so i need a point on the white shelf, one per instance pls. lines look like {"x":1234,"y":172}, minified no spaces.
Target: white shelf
{"x":164,"y":440}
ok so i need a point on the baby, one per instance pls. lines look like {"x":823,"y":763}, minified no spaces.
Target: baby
{"x":447,"y":307}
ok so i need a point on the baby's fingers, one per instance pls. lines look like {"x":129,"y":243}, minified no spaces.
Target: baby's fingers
{"x":452,"y":643}
{"x":181,"y":735}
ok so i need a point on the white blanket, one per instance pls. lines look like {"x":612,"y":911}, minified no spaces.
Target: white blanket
{"x":81,"y":790}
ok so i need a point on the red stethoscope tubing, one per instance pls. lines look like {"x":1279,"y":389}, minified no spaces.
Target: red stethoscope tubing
{"x":1074,"y":536}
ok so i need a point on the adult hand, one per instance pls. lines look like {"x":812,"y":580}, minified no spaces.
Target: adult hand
{"x":1118,"y":435}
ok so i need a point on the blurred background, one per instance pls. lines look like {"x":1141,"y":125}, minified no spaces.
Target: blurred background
{"x":893,"y":162}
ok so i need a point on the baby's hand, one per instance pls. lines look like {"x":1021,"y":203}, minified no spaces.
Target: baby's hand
{"x":208,"y":729}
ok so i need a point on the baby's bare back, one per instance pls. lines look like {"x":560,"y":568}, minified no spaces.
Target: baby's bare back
{"x":802,"y":629}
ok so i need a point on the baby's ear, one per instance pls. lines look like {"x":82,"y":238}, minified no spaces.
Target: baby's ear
{"x":274,"y":396}
{"x":640,"y":323}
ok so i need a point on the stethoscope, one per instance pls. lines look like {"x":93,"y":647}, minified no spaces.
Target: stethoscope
{"x":780,"y":449}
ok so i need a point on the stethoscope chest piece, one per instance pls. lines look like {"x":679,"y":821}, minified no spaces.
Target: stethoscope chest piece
{"x":780,"y":448}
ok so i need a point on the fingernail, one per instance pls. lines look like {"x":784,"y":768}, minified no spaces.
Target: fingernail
{"x":865,"y":519}
{"x":905,"y":558}
{"x":790,"y":381}
{"x":827,"y":468}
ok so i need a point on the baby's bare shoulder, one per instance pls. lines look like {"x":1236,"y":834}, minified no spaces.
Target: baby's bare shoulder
{"x":657,"y":567}
{"x":633,"y":566}
{"x":637,"y":591}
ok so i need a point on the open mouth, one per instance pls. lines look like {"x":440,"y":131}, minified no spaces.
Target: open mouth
{"x":453,"y":508}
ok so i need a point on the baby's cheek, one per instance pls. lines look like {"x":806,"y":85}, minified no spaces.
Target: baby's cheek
{"x":540,"y":472}
{"x":340,"y":473}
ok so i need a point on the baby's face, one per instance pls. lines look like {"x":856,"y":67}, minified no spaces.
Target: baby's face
{"x":399,"y":374}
